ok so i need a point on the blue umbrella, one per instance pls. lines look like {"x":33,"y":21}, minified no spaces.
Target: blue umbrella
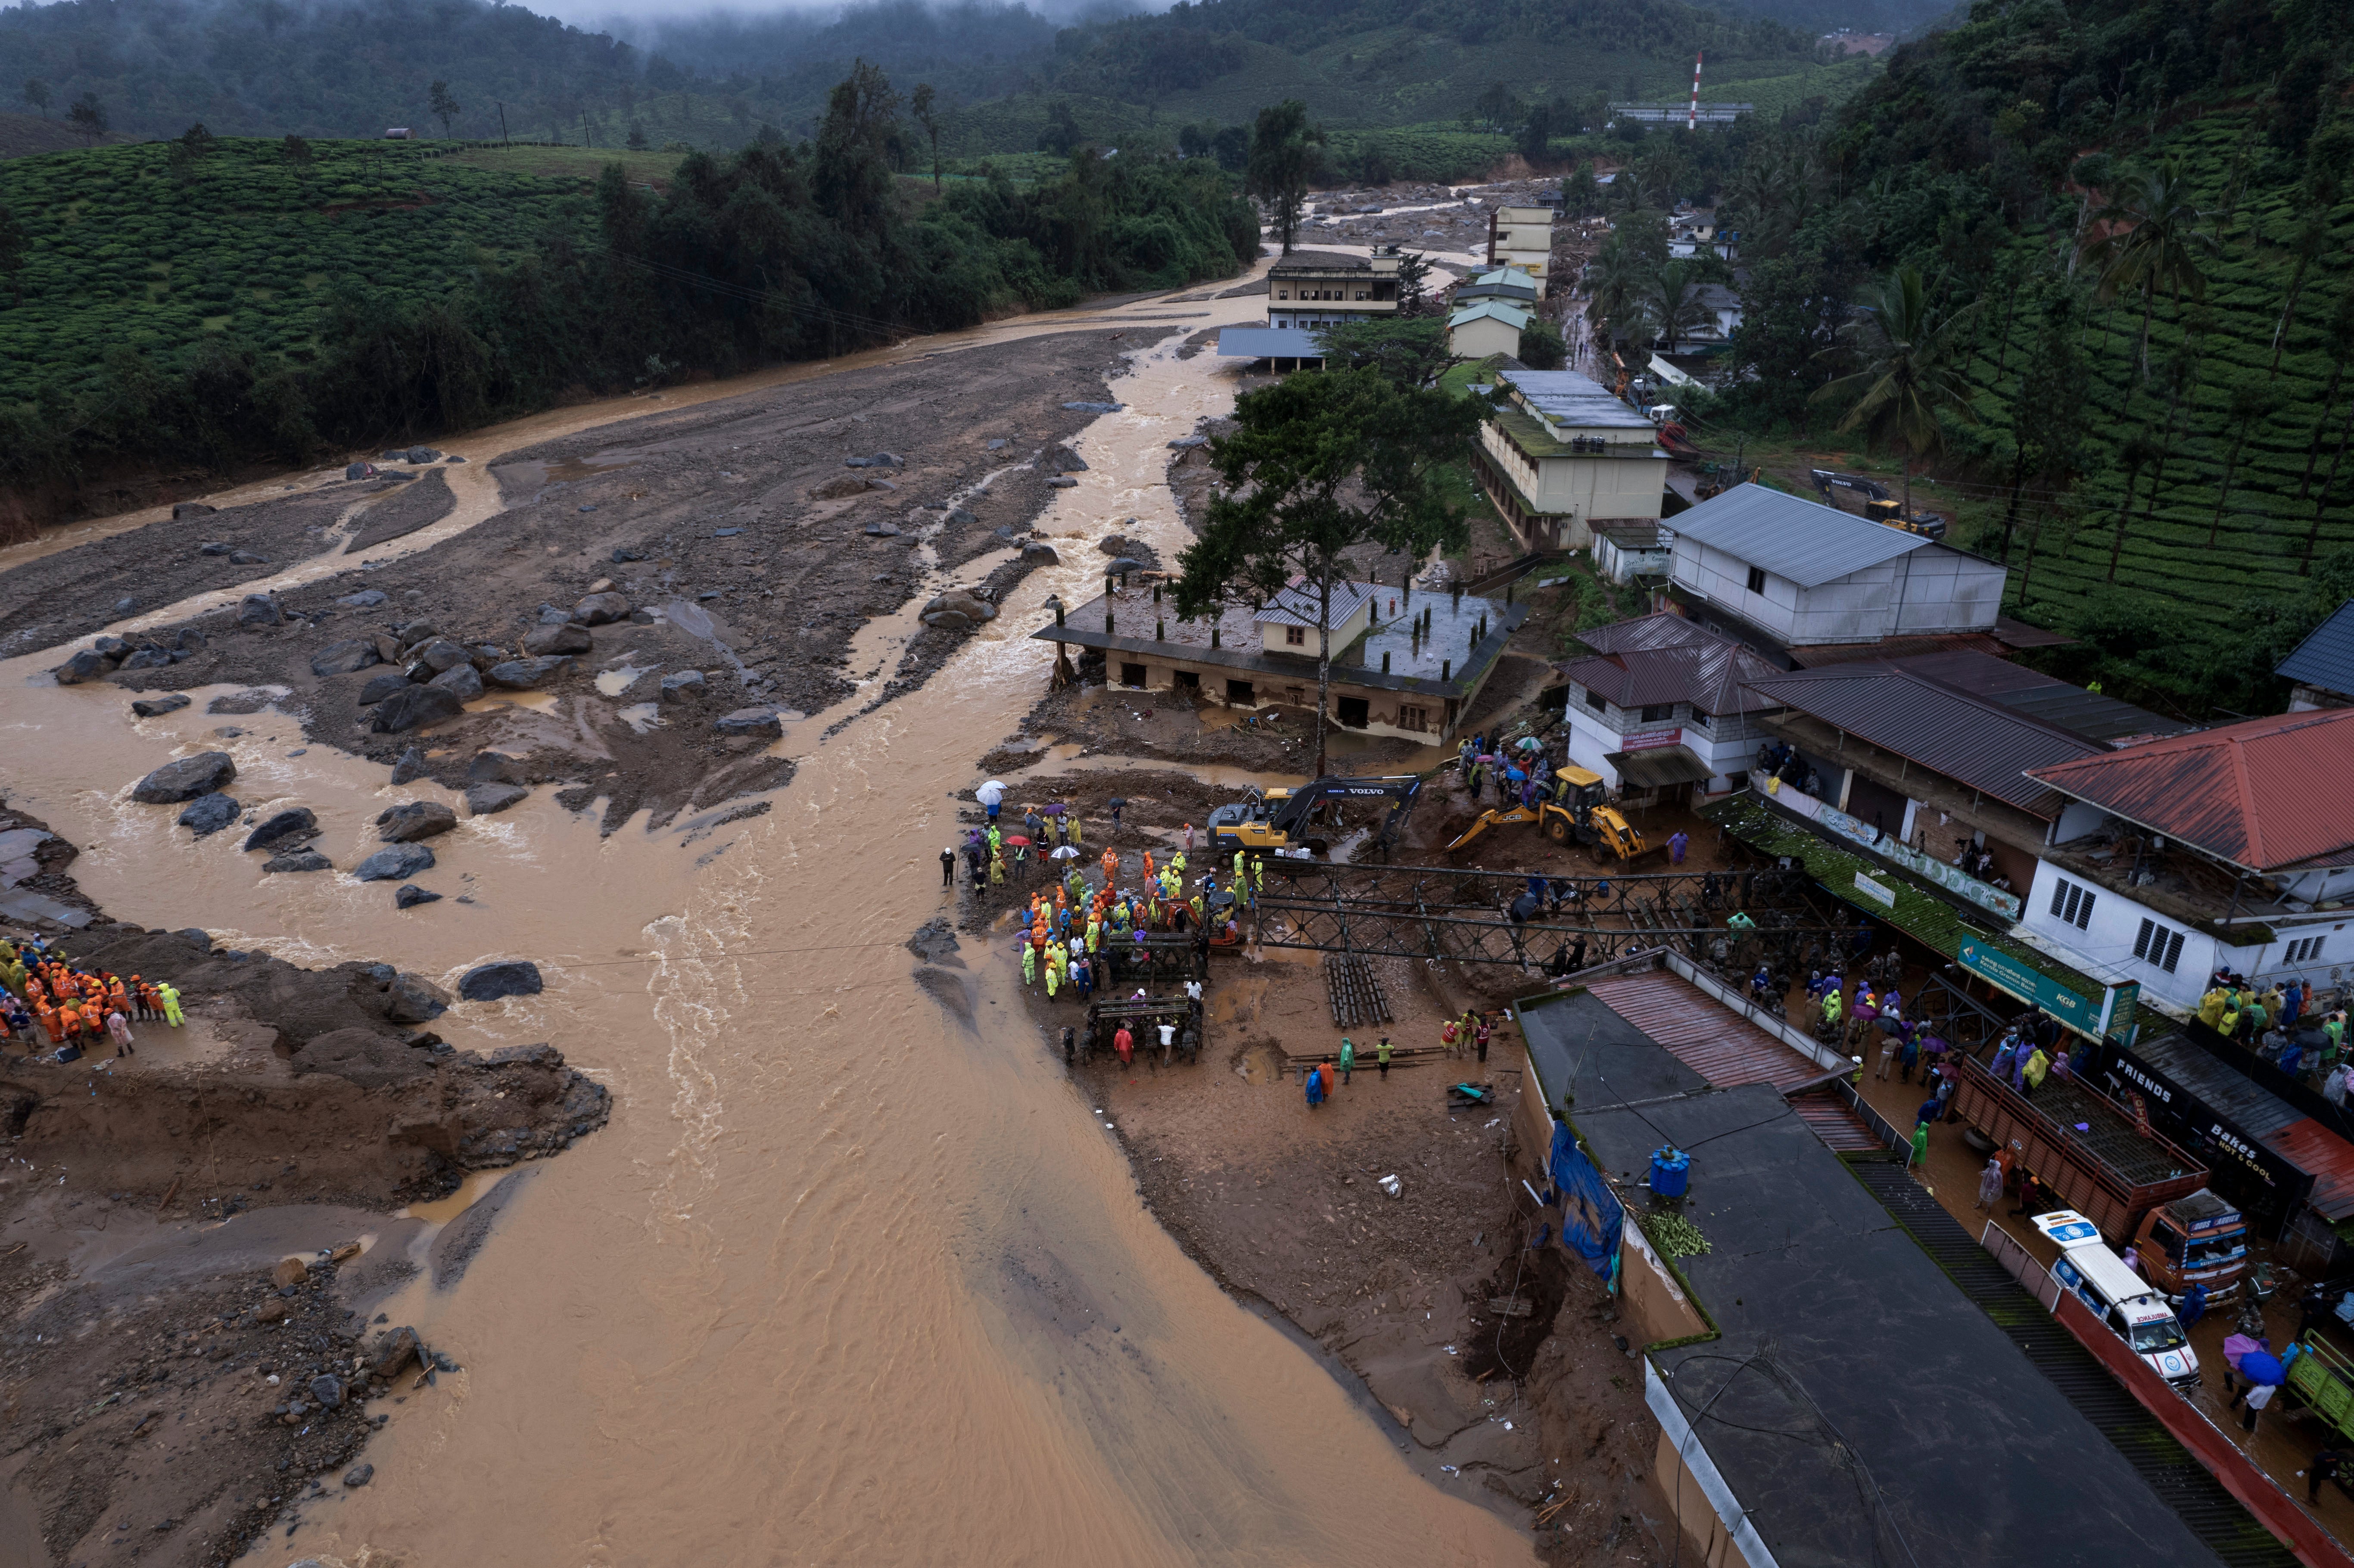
{"x":2262,"y":1366}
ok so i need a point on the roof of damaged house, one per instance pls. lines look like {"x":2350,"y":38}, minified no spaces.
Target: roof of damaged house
{"x":1709,"y":671}
{"x":1975,"y":741}
{"x":2266,"y":794}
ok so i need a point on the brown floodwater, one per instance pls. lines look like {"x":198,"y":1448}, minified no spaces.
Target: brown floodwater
{"x":856,"y":1275}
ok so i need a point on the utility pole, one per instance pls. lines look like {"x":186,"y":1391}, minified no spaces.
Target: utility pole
{"x":585,"y":139}
{"x":503,"y":124}
{"x":1691,"y":121}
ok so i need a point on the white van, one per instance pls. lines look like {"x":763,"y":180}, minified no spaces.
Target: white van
{"x":2123,"y":1300}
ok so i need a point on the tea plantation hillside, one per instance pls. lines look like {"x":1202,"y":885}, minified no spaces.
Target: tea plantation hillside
{"x":127,"y":248}
{"x":2150,"y":556}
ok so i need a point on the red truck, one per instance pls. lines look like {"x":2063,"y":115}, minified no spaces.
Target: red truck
{"x":2140,"y":1188}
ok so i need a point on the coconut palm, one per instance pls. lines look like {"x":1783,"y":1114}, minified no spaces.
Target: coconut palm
{"x":1615,"y":281}
{"x":1913,"y":357}
{"x":2153,"y":242}
{"x":1671,"y":303}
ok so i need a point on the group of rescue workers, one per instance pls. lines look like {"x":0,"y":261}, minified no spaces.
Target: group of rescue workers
{"x":51,"y":1005}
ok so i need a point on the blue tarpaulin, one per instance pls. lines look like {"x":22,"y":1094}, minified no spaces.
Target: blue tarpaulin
{"x":1591,"y":1215}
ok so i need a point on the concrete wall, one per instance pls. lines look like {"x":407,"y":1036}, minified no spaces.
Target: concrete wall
{"x":1923,"y":593}
{"x":1619,"y":566}
{"x":1272,"y":638}
{"x":2105,"y":948}
{"x":1727,"y":743}
{"x":1706,"y":1542}
{"x":1583,"y":488}
{"x":1483,"y":335}
{"x":1388,"y":713}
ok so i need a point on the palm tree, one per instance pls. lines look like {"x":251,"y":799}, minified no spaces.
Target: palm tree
{"x":2250,"y":404}
{"x":1671,"y":303}
{"x":1614,"y":280}
{"x":1627,"y":191}
{"x":2153,"y":242}
{"x":1913,"y":375}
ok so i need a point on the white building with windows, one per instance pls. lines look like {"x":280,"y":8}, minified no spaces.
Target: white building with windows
{"x":1663,"y":705}
{"x":2228,"y":848}
{"x":1788,"y":572}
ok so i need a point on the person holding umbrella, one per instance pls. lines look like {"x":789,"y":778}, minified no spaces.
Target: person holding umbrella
{"x":1116,"y":803}
{"x":990,"y":795}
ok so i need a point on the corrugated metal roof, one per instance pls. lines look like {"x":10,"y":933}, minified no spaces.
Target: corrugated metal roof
{"x":2038,"y":695}
{"x":1510,"y":315}
{"x":1662,"y":630}
{"x":1836,"y":1122}
{"x":1804,"y":541}
{"x":2253,"y":1109}
{"x":1268,"y":342}
{"x":2313,"y":1147}
{"x":1712,"y":676}
{"x":1294,"y":604}
{"x":1979,"y":744}
{"x":1703,"y":1034}
{"x":2326,"y":659}
{"x":1580,"y":402}
{"x":1813,"y":655}
{"x":2268,"y":794}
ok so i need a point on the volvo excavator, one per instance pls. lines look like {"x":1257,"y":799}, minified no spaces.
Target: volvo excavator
{"x":1578,"y":813}
{"x":1278,"y":820}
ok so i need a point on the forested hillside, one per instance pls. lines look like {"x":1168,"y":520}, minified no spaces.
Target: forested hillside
{"x":2126,"y":227}
{"x":218,"y":300}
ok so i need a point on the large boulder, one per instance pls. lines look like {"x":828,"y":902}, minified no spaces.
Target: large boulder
{"x":292,"y":825}
{"x":391,"y":683}
{"x":147,"y":659}
{"x":495,"y":767}
{"x":259,"y":609}
{"x":523,"y":674}
{"x":569,"y":638}
{"x":410,"y":765}
{"x":1063,"y":460}
{"x":363,"y":1057}
{"x":601,"y":608}
{"x":463,"y":680}
{"x":413,"y":999}
{"x":413,"y":705}
{"x":298,"y":860}
{"x":156,"y":707}
{"x":209,"y":813}
{"x":489,"y":799}
{"x":186,"y":780}
{"x":681,"y":684}
{"x":183,"y":510}
{"x":408,"y":896}
{"x":353,"y":653}
{"x":511,"y":976}
{"x":87,"y":665}
{"x":367,"y":599}
{"x":440,"y":653}
{"x":957,"y":611}
{"x":1038,"y":553}
{"x":761,"y":722}
{"x":416,"y":819}
{"x":397,"y":863}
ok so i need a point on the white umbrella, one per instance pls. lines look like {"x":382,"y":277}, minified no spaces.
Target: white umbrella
{"x":1066,"y":853}
{"x":991,"y":793}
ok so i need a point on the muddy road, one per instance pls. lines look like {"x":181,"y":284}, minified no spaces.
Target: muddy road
{"x":853,"y":1274}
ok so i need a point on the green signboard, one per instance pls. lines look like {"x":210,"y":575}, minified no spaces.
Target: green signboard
{"x":2072,"y":1009}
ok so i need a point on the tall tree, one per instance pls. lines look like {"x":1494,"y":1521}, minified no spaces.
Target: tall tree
{"x":2249,"y":405}
{"x":12,"y":251}
{"x":1282,"y":155}
{"x":2341,"y":348}
{"x":1318,"y":463}
{"x":2136,"y":454}
{"x":1671,"y":303}
{"x":88,"y":115}
{"x":919,"y":104}
{"x":1408,"y":350}
{"x":1911,"y":377}
{"x":37,"y":94}
{"x":2047,"y":416}
{"x":443,"y":106}
{"x":2154,"y":243}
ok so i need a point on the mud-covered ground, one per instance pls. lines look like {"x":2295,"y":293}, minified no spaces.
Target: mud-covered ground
{"x":160,"y":1364}
{"x":750,"y":552}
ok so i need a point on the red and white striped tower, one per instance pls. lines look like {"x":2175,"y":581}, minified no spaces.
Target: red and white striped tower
{"x":1691,"y":121}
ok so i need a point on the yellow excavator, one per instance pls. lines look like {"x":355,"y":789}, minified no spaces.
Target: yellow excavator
{"x":1578,"y":812}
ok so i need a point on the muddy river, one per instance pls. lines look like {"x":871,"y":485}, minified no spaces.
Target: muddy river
{"x":856,"y":1275}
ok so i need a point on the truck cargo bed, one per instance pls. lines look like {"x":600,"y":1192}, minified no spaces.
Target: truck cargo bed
{"x":2081,"y":1145}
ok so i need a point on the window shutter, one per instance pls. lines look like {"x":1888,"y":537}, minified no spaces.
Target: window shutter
{"x":2141,"y":939}
{"x":2059,"y":894}
{"x":2173,"y":952}
{"x":2084,"y":913}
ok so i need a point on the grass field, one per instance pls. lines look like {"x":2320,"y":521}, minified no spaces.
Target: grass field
{"x":2261,"y":536}
{"x":123,"y":253}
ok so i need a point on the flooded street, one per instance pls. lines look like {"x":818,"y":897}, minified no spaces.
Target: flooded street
{"x":854,"y":1275}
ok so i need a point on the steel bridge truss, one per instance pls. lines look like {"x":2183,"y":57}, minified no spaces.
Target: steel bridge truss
{"x":1447,"y":915}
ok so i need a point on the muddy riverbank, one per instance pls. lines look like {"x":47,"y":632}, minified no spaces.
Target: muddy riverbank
{"x":173,"y":1387}
{"x":846,"y":1268}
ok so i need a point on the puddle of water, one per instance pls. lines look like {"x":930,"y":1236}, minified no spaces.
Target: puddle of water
{"x":475,"y":1187}
{"x":640,"y":716}
{"x":491,"y":702}
{"x":613,"y":683}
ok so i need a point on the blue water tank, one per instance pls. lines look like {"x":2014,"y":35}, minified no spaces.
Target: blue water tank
{"x":1671,"y":1169}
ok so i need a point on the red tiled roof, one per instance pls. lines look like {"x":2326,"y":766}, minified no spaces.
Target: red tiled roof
{"x":2268,"y":794}
{"x":1703,"y":1034}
